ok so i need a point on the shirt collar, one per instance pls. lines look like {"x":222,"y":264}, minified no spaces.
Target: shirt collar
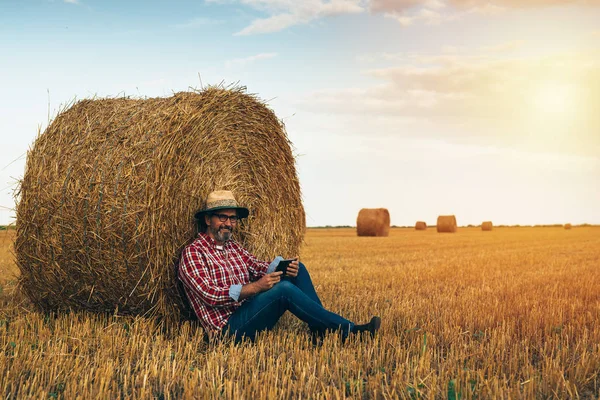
{"x":212,"y":243}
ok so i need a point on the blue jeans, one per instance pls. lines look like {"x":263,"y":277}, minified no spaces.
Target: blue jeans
{"x":297,"y":295}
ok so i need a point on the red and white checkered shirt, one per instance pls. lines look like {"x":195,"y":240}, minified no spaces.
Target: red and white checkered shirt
{"x":208,"y":271}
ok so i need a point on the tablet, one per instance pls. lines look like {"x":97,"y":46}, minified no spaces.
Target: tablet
{"x":283,"y":265}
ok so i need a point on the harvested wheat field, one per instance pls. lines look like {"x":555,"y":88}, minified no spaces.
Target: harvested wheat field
{"x":514,"y":313}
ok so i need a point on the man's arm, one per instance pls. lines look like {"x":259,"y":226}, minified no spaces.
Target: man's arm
{"x":263,"y":284}
{"x":195,"y":276}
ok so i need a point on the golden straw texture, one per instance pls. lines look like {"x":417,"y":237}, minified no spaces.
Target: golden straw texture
{"x":373,"y":222}
{"x":421,"y":226}
{"x":446,"y":224}
{"x":111,"y":187}
{"x":487,"y":226}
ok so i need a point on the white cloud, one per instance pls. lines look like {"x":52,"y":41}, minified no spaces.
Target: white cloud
{"x":434,"y":16}
{"x":520,"y":3}
{"x":485,"y":6}
{"x":283,"y":14}
{"x":435,"y":4}
{"x":275,"y":23}
{"x":448,"y":54}
{"x":393,"y":6}
{"x":72,"y":1}
{"x":242,"y":62}
{"x":549,"y":101}
{"x":486,"y":9}
{"x":433,"y":12}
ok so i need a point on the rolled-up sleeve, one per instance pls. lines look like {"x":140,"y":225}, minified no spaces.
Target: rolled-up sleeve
{"x":235,"y":291}
{"x":274,"y":264}
{"x":194,"y":274}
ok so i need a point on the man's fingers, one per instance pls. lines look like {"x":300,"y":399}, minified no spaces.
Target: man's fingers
{"x":272,"y":278}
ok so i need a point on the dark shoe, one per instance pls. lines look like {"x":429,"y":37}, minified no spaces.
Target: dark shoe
{"x":372,"y":327}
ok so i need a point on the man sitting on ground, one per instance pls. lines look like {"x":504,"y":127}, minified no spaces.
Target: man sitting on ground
{"x":232,"y":292}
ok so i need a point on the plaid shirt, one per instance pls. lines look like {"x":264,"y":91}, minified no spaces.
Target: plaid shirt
{"x":208,"y":271}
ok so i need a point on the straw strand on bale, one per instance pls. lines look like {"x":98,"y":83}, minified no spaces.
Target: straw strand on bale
{"x":373,"y":222}
{"x":446,"y":224}
{"x":111,"y":187}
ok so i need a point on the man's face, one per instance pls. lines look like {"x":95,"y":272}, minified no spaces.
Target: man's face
{"x":220,"y":225}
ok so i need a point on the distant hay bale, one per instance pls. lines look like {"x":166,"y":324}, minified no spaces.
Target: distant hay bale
{"x":486,"y":226}
{"x":568,"y":226}
{"x":420,"y":226}
{"x":111,"y":187}
{"x":446,"y":224}
{"x":373,"y":222}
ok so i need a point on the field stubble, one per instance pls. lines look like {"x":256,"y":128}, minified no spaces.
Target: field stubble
{"x":512,"y":313}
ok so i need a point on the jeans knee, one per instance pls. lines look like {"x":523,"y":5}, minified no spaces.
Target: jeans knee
{"x":282,"y":293}
{"x":283,"y":287}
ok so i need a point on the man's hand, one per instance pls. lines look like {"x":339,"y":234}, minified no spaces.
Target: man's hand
{"x":263,"y":284}
{"x":292,"y":269}
{"x":268,"y":280}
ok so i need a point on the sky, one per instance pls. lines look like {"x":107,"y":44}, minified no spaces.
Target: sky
{"x":488,"y":110}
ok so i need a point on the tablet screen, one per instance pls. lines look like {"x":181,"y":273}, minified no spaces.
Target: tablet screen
{"x":283,"y":265}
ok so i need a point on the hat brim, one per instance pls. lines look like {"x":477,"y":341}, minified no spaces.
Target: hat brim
{"x":242,"y":212}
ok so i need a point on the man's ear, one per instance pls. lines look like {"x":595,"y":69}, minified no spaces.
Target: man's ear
{"x":207,"y":219}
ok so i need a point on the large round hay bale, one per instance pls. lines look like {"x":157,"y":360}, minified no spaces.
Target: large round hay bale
{"x":446,"y":223}
{"x":486,"y":226}
{"x":373,"y":222}
{"x":421,"y":226}
{"x":111,"y":187}
{"x":568,"y":226}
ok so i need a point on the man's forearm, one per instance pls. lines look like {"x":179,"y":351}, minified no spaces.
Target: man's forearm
{"x":249,"y":290}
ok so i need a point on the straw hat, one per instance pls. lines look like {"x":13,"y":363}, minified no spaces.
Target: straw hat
{"x":221,"y":200}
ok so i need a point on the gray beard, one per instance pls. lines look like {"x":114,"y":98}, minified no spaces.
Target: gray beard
{"x":220,"y":236}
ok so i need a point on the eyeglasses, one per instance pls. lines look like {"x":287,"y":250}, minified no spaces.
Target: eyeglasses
{"x":224,"y":217}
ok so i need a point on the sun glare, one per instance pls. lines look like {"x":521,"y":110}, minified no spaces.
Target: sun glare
{"x":553,"y":98}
